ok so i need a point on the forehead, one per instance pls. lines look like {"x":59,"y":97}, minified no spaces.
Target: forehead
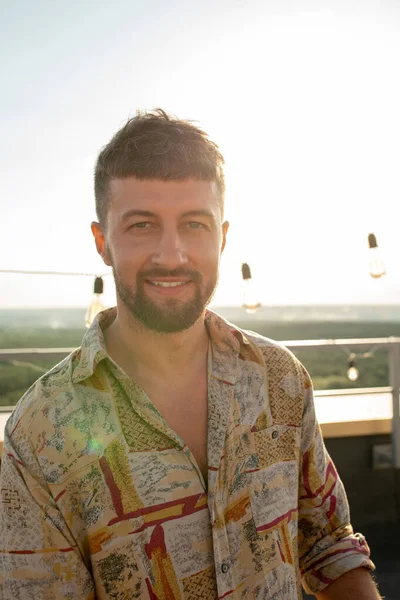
{"x":161,"y":196}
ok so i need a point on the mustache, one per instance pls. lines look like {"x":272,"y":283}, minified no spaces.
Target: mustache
{"x":179,"y":272}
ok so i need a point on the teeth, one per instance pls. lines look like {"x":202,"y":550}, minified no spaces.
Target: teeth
{"x":168,"y":283}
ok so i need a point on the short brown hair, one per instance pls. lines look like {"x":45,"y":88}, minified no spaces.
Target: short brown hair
{"x":156,"y":145}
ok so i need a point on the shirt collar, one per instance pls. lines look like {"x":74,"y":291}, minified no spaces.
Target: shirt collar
{"x":226,"y":341}
{"x":93,"y":348}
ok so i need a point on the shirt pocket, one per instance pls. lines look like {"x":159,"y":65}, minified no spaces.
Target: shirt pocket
{"x":272,"y":472}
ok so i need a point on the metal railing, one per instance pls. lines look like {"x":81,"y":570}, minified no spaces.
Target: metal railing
{"x":391,"y":343}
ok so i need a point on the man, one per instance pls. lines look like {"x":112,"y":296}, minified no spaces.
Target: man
{"x":171,"y":456}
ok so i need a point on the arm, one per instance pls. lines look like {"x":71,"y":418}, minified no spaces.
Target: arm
{"x":353,"y":585}
{"x":38,"y":556}
{"x":328,"y":546}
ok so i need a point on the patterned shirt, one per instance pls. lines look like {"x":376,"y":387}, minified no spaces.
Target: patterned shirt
{"x":101,"y":499}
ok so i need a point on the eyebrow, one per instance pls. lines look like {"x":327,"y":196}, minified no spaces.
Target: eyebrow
{"x":137,"y":213}
{"x":199,"y":213}
{"x":147,"y":213}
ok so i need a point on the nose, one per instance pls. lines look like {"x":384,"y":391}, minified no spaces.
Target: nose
{"x":170,"y":252}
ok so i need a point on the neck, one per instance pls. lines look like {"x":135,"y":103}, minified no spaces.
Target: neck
{"x":167,"y":355}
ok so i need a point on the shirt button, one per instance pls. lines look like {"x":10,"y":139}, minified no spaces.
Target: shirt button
{"x":275,"y":434}
{"x":224,"y":568}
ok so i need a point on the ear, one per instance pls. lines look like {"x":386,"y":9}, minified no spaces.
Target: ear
{"x":225,"y":227}
{"x":100,"y":242}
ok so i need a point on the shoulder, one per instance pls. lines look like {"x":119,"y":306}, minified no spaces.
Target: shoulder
{"x":262,"y":341}
{"x":282,"y":367}
{"x":273,"y":352}
{"x":289,"y":385}
{"x":255,"y":348}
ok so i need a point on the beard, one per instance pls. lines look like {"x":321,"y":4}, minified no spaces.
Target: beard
{"x":173,"y":315}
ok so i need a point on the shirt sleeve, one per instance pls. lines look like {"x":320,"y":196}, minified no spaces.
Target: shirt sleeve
{"x":39,"y":558}
{"x":328,"y":546}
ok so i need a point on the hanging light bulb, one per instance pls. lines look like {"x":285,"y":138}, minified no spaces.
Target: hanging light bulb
{"x":250,"y":299}
{"x":96,"y":304}
{"x":352,"y":371}
{"x":376,"y":266}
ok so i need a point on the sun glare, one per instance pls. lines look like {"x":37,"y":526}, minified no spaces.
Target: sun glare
{"x":311,"y":157}
{"x":304,"y":106}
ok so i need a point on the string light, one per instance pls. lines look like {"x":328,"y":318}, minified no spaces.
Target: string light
{"x":376,"y":266}
{"x":96,"y":304}
{"x":352,"y":371}
{"x":250,"y":297}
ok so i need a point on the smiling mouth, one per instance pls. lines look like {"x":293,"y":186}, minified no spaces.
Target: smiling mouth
{"x":168,"y":283}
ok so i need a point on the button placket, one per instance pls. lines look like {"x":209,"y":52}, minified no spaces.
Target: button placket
{"x":191,"y":457}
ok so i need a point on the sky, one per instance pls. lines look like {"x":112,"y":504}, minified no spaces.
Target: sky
{"x":302,"y":97}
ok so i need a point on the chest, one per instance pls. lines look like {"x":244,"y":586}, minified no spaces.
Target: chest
{"x":186,"y":412}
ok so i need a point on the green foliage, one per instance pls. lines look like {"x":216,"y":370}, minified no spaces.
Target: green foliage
{"x":315,"y":330}
{"x":16,"y":379}
{"x":327,"y":367}
{"x":39,"y":337}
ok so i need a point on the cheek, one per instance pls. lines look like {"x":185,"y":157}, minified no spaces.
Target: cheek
{"x":205,"y":247}
{"x":125,"y":251}
{"x":108,"y":252}
{"x":208,"y":261}
{"x":138,"y":248}
{"x":204,"y":255}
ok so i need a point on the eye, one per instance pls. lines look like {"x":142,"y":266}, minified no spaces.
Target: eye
{"x":141,"y":225}
{"x":196,"y":225}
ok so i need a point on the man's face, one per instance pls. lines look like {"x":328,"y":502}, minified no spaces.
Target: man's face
{"x":164,"y":241}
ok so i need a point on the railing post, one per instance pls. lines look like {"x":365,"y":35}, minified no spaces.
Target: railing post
{"x":394,"y":379}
